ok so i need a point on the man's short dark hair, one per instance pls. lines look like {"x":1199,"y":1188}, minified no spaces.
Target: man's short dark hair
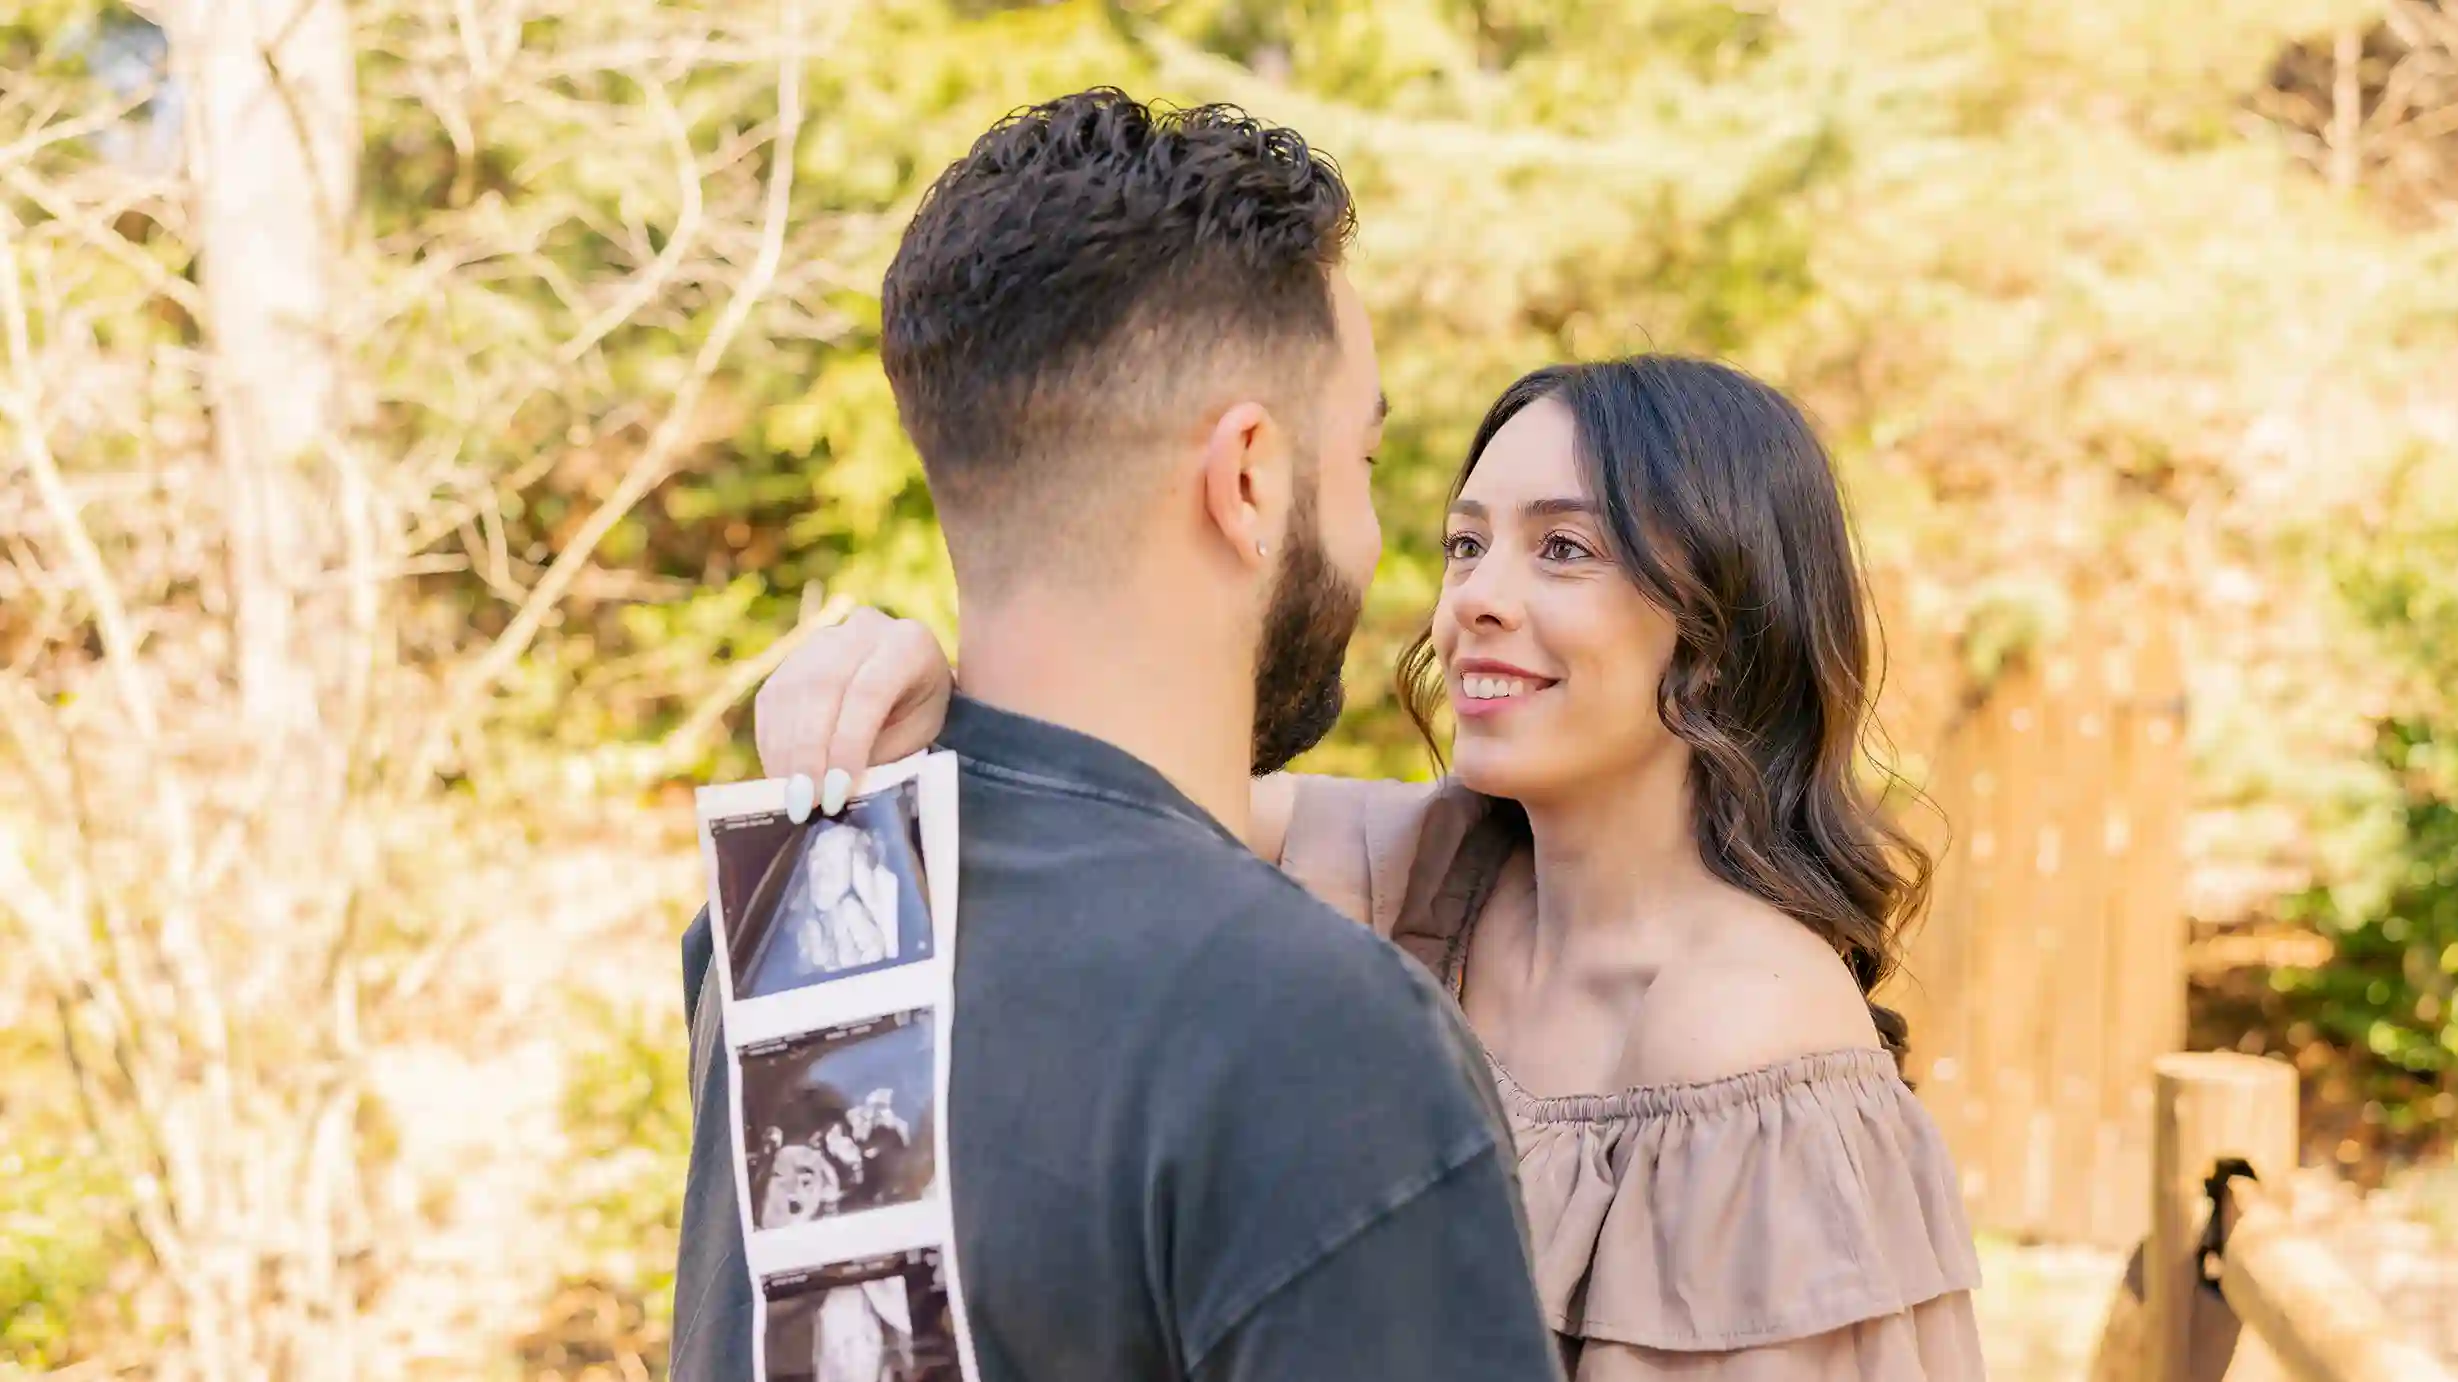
{"x":1075,"y":285}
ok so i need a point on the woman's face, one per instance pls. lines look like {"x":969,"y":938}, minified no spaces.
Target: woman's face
{"x":1550,"y":654}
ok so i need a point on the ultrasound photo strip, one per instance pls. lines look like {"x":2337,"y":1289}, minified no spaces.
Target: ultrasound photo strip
{"x":836,"y":968}
{"x":865,"y":1320}
{"x":837,"y":917}
{"x":841,"y":1120}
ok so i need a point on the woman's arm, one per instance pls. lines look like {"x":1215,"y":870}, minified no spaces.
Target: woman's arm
{"x":1352,"y":842}
{"x":873,"y":689}
{"x":866,"y":691}
{"x":1267,"y":821}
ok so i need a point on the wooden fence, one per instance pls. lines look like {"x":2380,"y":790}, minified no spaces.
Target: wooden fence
{"x":2262,"y":1298}
{"x":2050,"y":973}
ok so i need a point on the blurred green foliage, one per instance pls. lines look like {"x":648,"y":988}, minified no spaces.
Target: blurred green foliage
{"x":801,"y":475}
{"x":64,"y":1225}
{"x":57,"y":1248}
{"x":2389,"y":987}
{"x":2029,"y":264}
{"x":2388,"y":901}
{"x":627,"y":1105}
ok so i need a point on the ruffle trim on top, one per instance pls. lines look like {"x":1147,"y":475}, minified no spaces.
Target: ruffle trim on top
{"x":1757,"y":1209}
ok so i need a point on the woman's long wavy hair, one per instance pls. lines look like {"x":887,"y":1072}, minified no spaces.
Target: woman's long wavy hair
{"x":1724,"y":509}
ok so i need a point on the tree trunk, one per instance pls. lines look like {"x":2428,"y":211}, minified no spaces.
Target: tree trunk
{"x":273,"y":161}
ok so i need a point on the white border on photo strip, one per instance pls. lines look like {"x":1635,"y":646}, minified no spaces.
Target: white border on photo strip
{"x":833,"y":1002}
{"x":928,"y":1223}
{"x":852,"y":1237}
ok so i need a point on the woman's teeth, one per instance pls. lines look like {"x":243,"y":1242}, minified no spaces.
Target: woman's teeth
{"x":1494,"y":688}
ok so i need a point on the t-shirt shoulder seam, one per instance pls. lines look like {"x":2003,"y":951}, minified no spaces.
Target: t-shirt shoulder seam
{"x":1025,"y":780}
{"x":1460,"y":1156}
{"x":1267,"y":875}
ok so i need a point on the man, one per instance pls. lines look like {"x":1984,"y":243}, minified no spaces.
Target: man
{"x":1201,"y":1127}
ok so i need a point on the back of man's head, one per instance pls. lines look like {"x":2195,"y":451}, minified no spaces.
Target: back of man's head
{"x":1077,"y":291}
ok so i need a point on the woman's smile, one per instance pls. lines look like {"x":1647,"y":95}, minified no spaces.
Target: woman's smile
{"x":1482,"y":687}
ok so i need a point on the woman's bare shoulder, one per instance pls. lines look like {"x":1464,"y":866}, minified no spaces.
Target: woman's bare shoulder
{"x":1326,"y":809}
{"x":1767,"y":992}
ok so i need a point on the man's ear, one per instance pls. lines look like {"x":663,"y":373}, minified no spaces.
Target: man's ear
{"x":1247,"y":485}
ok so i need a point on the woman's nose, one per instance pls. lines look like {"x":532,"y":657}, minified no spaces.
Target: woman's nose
{"x":1489,"y":597}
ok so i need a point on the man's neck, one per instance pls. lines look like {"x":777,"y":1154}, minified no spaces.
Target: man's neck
{"x":1123,"y":671}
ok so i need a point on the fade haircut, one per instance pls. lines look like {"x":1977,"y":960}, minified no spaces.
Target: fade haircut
{"x":1074,"y":291}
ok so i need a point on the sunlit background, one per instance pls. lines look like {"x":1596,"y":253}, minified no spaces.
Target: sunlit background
{"x":426,"y":420}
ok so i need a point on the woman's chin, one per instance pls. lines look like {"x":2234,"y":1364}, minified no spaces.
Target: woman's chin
{"x":1495,"y":769}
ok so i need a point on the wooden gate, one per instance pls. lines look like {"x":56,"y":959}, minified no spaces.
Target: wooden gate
{"x":2050,"y":972}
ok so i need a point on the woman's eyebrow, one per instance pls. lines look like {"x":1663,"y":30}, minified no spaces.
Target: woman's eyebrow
{"x":1535,"y":508}
{"x":1559,"y":508}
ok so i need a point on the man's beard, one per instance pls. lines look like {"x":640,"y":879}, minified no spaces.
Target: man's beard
{"x":1306,"y":630}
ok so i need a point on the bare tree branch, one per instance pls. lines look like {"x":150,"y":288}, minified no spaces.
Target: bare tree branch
{"x":21,"y":404}
{"x":92,"y":230}
{"x":2347,"y":108}
{"x":650,"y":282}
{"x":656,"y":459}
{"x":691,"y":736}
{"x":68,"y":131}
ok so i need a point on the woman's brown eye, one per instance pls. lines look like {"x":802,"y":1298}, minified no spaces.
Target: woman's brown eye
{"x":1461,"y":547}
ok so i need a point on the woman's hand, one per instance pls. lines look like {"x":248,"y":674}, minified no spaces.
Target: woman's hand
{"x":869,"y":690}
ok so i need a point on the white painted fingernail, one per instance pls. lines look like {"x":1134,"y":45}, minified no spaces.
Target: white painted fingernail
{"x":832,"y":794}
{"x":798,"y":794}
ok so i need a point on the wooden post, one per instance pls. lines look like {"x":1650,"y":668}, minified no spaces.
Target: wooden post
{"x":2208,"y":1105}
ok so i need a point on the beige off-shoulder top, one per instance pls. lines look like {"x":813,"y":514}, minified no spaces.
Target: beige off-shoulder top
{"x":1796,"y":1223}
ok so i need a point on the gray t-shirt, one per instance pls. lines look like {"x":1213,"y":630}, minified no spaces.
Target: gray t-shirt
{"x":1203,"y":1126}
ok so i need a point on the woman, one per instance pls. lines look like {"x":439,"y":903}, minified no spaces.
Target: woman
{"x":1654,"y":882}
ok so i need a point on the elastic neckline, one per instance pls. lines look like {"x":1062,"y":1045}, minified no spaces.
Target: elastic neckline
{"x":1861,"y":1065}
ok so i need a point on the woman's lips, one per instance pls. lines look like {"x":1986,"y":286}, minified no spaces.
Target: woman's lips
{"x":1480,"y":689}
